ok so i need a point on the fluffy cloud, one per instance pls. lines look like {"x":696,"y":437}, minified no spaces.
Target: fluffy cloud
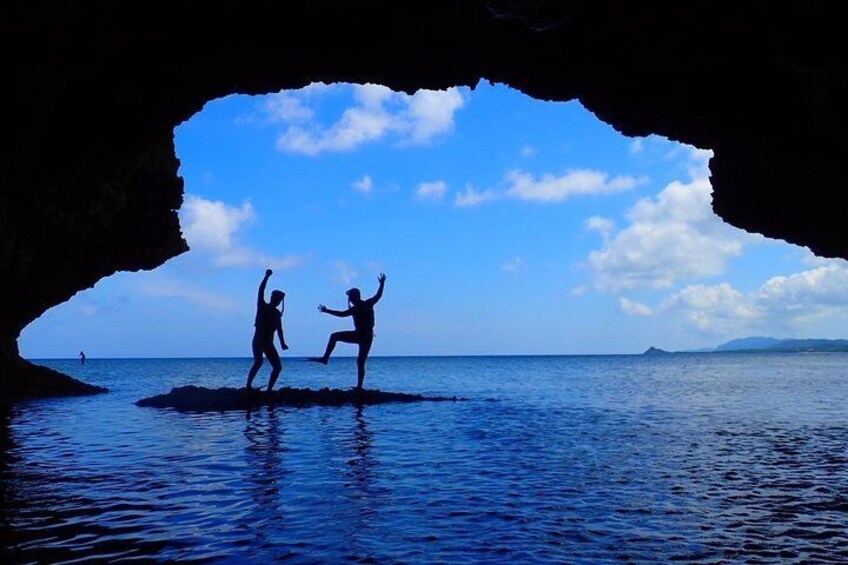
{"x":673,"y":236}
{"x":431,"y":190}
{"x":715,"y":308}
{"x":550,"y":188}
{"x":578,"y":182}
{"x":378,"y":113}
{"x":782,"y":301}
{"x":212,"y":228}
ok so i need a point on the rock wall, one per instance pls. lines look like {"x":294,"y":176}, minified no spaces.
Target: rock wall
{"x":94,"y":89}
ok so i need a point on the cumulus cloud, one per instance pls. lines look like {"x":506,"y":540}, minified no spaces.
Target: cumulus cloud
{"x":716,"y":308}
{"x":213,"y":227}
{"x":377,"y":113}
{"x":431,"y":190}
{"x":671,"y":237}
{"x":782,"y":301}
{"x":550,"y":188}
{"x":364,"y":185}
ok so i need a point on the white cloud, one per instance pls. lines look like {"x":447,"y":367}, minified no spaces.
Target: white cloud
{"x":550,"y":188}
{"x":364,"y":185}
{"x":472,"y":197}
{"x":431,"y":113}
{"x":378,"y":113}
{"x":781,"y":302}
{"x":513,"y":265}
{"x":633,"y":308}
{"x":431,"y":190}
{"x":343,"y":273}
{"x":212,"y":228}
{"x":716,"y":308}
{"x":283,"y":107}
{"x":603,"y":226}
{"x":673,"y":236}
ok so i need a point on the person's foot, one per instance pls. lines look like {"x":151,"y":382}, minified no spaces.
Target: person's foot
{"x":318,"y":360}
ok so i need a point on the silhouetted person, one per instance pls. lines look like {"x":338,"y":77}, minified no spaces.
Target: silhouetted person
{"x":269,"y":320}
{"x":363,"y":323}
{"x":82,"y":357}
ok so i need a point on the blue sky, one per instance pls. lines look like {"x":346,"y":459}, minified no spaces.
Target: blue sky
{"x":505,"y":225}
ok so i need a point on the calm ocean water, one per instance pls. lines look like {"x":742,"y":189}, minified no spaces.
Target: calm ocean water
{"x":612,"y":459}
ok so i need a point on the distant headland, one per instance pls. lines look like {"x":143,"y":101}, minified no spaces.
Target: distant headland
{"x":757,"y":344}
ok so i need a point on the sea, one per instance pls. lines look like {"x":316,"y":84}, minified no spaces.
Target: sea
{"x":686,"y":458}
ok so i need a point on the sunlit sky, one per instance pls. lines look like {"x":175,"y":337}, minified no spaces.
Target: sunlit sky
{"x":505,"y":225}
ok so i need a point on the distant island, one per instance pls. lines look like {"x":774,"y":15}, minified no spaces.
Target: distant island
{"x":765,"y":345}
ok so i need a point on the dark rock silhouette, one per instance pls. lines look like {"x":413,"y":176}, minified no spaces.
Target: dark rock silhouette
{"x":655,"y":351}
{"x":90,"y":184}
{"x":200,"y":399}
{"x":33,"y":380}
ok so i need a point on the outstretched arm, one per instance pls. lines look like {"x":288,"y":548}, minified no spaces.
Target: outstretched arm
{"x":376,"y":298}
{"x":336,"y":313}
{"x":260,"y":299}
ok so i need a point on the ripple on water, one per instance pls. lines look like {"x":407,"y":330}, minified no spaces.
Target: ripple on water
{"x":579,"y":460}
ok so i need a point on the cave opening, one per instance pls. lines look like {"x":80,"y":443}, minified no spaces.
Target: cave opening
{"x":507,"y":225}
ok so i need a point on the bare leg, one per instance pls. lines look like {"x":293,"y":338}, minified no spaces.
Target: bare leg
{"x":257,"y":363}
{"x":276,"y":365}
{"x":364,"y":349}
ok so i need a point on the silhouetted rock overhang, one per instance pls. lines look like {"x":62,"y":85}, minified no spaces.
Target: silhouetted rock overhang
{"x":94,"y":89}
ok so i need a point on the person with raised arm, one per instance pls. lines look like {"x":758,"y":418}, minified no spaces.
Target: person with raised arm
{"x":362,"y":312}
{"x":268,"y":321}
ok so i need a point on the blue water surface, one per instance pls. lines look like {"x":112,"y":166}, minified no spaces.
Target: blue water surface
{"x":721,"y":458}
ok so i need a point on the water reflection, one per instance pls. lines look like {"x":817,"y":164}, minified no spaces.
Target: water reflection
{"x":361,"y":463}
{"x":265,"y":457}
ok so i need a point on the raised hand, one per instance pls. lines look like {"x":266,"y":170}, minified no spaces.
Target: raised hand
{"x":268,"y":272}
{"x":322,"y":308}
{"x":382,"y":278}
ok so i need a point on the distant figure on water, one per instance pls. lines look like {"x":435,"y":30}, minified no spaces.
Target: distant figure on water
{"x":269,"y":321}
{"x":82,"y":357}
{"x":363,"y":323}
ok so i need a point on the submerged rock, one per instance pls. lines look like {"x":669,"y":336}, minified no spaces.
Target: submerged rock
{"x":201,"y":399}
